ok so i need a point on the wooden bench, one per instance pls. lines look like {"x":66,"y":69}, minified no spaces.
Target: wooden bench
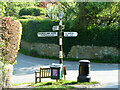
{"x":45,"y":72}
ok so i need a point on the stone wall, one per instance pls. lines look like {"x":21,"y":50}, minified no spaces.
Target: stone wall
{"x":5,"y":75}
{"x":42,"y":49}
{"x":8,"y":70}
{"x":81,"y":52}
{"x":91,"y":52}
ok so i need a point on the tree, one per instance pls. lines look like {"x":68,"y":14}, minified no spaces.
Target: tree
{"x":91,"y":12}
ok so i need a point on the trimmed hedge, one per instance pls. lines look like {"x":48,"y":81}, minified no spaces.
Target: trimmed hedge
{"x":34,"y":11}
{"x":12,"y":31}
{"x":32,"y":27}
{"x":97,"y":36}
{"x":104,"y":36}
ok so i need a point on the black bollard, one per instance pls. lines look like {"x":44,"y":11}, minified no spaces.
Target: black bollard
{"x":84,"y":71}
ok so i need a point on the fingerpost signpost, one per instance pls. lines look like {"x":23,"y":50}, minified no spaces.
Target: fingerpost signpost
{"x":60,"y":34}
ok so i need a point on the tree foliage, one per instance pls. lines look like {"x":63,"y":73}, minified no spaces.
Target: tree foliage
{"x":96,"y":22}
{"x":13,"y":8}
{"x":2,"y":7}
{"x":110,"y":15}
{"x":91,"y":11}
{"x":53,"y":10}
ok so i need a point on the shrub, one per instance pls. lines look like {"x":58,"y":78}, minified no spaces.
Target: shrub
{"x":34,"y":53}
{"x":111,"y":58}
{"x":34,"y":11}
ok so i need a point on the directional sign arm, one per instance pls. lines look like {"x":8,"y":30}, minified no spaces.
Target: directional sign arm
{"x":54,"y":34}
{"x":47,"y":34}
{"x":70,"y":34}
{"x":54,"y":28}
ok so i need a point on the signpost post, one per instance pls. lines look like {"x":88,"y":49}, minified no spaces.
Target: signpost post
{"x":61,"y":34}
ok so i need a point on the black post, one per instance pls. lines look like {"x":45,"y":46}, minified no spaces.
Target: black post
{"x":60,"y":43}
{"x":84,"y":71}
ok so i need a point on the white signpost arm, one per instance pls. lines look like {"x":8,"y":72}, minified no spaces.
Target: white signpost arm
{"x":47,"y":34}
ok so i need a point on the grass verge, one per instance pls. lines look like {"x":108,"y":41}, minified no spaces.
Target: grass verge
{"x":54,"y":86}
{"x":59,"y":84}
{"x":64,"y":82}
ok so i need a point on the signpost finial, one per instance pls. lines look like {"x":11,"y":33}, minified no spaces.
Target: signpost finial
{"x":61,"y":14}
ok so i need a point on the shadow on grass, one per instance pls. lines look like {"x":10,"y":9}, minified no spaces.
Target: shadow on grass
{"x":49,"y":83}
{"x":70,"y":83}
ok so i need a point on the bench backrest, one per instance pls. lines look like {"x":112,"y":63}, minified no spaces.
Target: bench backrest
{"x":45,"y":73}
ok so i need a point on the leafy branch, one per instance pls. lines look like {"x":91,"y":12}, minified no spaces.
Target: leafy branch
{"x":3,"y":5}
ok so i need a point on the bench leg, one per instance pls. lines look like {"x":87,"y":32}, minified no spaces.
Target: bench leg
{"x":35,"y":77}
{"x":39,"y":79}
{"x":64,"y":77}
{"x":40,"y":76}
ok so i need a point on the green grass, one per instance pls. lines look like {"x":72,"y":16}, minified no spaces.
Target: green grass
{"x":60,"y":84}
{"x":22,"y":83}
{"x":64,"y":82}
{"x":55,"y":86}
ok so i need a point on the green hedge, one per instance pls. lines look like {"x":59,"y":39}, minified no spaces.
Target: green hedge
{"x":104,"y":36}
{"x":32,"y":27}
{"x":34,"y":11}
{"x":97,"y":36}
{"x":30,"y":17}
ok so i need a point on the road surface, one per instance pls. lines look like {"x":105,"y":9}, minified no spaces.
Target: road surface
{"x":106,"y":74}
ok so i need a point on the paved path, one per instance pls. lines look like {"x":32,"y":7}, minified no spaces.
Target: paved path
{"x":107,"y":74}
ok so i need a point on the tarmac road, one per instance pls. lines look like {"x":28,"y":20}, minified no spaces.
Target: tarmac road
{"x":106,"y":74}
